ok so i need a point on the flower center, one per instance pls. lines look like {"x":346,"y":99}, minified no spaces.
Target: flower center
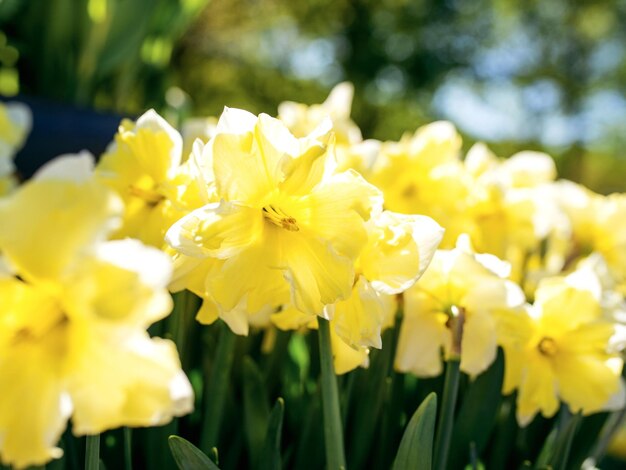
{"x":547,"y":346}
{"x":280,"y":219}
{"x":409,"y":191}
{"x":151,"y":197}
{"x":27,"y":333}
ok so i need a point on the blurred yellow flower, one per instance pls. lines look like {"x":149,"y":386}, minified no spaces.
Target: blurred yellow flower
{"x":598,"y":224}
{"x":562,"y":349}
{"x":423,"y":174}
{"x":511,"y":205}
{"x":73,"y":318}
{"x":286,"y":221}
{"x":302,"y":119}
{"x":143,"y":165}
{"x":458,"y":283}
{"x":15,"y":124}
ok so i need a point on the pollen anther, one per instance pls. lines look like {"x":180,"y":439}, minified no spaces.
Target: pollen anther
{"x":280,"y":219}
{"x":547,"y":346}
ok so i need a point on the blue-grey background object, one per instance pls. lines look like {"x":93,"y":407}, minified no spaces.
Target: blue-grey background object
{"x":59,"y":129}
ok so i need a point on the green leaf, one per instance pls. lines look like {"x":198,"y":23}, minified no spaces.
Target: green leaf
{"x":270,"y":455}
{"x":371,"y":384}
{"x":477,"y":415}
{"x":215,"y":392}
{"x":547,"y":450}
{"x":416,"y":446}
{"x":255,"y":406}
{"x":188,"y":456}
{"x":601,"y":425}
{"x":563,"y":444}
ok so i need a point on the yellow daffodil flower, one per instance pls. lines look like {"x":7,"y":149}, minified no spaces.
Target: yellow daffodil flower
{"x":598,"y":224}
{"x":458,"y":283}
{"x":423,"y":174}
{"x":143,"y":165}
{"x":73,"y":318}
{"x":285,"y":220}
{"x":398,"y":251}
{"x":511,"y":206}
{"x":301,"y":119}
{"x":350,"y":149}
{"x":561,"y":349}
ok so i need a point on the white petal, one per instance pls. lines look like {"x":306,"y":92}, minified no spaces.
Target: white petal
{"x":235,"y":121}
{"x":69,"y":167}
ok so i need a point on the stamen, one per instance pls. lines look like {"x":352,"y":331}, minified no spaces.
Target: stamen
{"x":280,"y":219}
{"x":547,"y":346}
{"x":151,"y":197}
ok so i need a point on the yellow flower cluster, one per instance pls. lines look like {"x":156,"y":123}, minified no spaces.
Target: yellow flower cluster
{"x":278,"y":222}
{"x":513,"y":236}
{"x":288,"y":237}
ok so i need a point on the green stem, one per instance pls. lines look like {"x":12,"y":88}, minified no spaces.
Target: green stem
{"x":333,"y":432}
{"x":611,"y":427}
{"x":92,"y":452}
{"x":446,"y":418}
{"x":504,"y":434}
{"x":179,"y":322}
{"x":128,"y":456}
{"x":217,"y":386}
{"x":565,"y":438}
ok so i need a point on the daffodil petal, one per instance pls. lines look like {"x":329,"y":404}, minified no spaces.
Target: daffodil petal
{"x":358,"y":320}
{"x":422,"y":338}
{"x":586,"y":382}
{"x":52,"y":206}
{"x":124,"y":281}
{"x":537,"y":391}
{"x":346,"y":358}
{"x":317,"y":274}
{"x":155,"y":145}
{"x":478,"y":345}
{"x":402,"y":248}
{"x":208,"y":313}
{"x":290,"y":318}
{"x":242,"y":171}
{"x":31,"y":377}
{"x":117,"y":381}
{"x":337,"y":210}
{"x":240,"y":276}
{"x":220,"y":230}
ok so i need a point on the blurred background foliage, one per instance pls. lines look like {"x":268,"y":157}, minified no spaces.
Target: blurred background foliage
{"x":518,"y":75}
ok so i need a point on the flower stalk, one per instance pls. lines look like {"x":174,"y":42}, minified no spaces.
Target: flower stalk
{"x":450,"y":390}
{"x":333,"y":431}
{"x":92,"y":452}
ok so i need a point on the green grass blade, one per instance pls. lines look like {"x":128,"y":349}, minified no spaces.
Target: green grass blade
{"x":477,"y":415}
{"x":188,"y":456}
{"x":416,"y":447}
{"x":255,"y":406}
{"x":270,"y":455}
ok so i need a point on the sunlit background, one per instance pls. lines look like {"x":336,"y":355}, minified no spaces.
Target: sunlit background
{"x":548,"y":75}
